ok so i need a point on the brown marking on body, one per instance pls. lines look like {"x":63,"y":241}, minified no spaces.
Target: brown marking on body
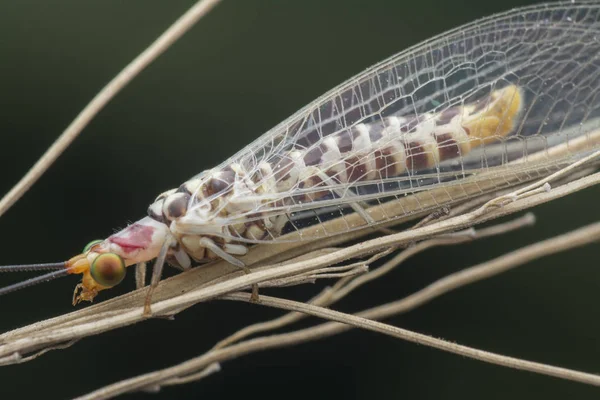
{"x":344,"y":142}
{"x":313,"y":156}
{"x":447,"y":147}
{"x":410,"y":125}
{"x":386,"y":163}
{"x":446,"y":116}
{"x":177,"y":207}
{"x":311,"y":182}
{"x":156,"y":215}
{"x":184,"y":189}
{"x":356,"y":168}
{"x":416,"y":156}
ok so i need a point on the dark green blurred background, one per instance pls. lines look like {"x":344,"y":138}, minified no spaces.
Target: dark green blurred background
{"x":244,"y":68}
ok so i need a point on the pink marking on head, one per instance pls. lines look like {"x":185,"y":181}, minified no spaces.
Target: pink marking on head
{"x":134,"y":237}
{"x":139,"y":242}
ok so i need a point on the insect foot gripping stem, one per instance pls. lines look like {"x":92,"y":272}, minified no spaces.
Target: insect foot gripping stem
{"x":222,"y":253}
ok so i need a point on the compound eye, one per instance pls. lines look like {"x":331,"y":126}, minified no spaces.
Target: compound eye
{"x":91,"y":244}
{"x":108,"y":269}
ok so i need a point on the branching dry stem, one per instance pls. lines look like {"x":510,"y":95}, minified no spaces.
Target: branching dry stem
{"x":201,"y":284}
{"x":366,"y":320}
{"x":217,"y":279}
{"x":343,"y":287}
{"x":297,"y":262}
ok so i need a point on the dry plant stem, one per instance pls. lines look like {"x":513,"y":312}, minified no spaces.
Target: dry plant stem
{"x":470,"y":205}
{"x":436,"y":215}
{"x":17,"y":359}
{"x":344,"y":287}
{"x":352,"y":273}
{"x":345,"y":322}
{"x":211,"y":369}
{"x":125,"y":310}
{"x":364,"y":323}
{"x":579,"y":237}
{"x":451,"y":239}
{"x":540,"y":185}
{"x":79,"y":325}
{"x":164,"y":41}
{"x":348,"y":271}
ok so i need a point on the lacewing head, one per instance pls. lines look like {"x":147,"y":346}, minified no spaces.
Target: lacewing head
{"x":102,"y":263}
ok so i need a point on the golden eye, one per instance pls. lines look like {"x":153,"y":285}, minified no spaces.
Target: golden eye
{"x":108,"y":269}
{"x":91,"y":244}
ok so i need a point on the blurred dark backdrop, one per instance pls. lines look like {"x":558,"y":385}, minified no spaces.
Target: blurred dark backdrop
{"x":246,"y":67}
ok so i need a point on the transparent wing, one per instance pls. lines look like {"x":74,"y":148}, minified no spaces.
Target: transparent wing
{"x":489,"y":99}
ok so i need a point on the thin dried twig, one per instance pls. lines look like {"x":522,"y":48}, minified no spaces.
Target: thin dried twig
{"x":368,"y":324}
{"x":323,"y":273}
{"x":211,"y":369}
{"x":344,"y":287}
{"x":542,"y":185}
{"x":159,"y":46}
{"x":205,"y":283}
{"x":220,"y":281}
{"x":16,"y":358}
{"x":577,"y":238}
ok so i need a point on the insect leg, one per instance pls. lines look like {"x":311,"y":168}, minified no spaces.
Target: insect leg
{"x":267,"y":222}
{"x":212,"y":246}
{"x":355,"y":206}
{"x":183,"y":260}
{"x":156,"y":274}
{"x":236,"y":249}
{"x":362,"y":212}
{"x":140,"y":275}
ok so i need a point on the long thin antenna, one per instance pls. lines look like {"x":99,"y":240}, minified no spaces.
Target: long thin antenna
{"x":32,"y":267}
{"x":34,"y":281}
